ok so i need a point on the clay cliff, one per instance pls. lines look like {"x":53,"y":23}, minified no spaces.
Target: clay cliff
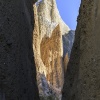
{"x":51,"y":41}
{"x":82,"y":80}
{"x":17,"y":67}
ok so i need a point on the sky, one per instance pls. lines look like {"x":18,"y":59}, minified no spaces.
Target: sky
{"x":69,"y":11}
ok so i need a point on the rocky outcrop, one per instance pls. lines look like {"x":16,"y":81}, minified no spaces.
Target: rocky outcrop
{"x":36,"y":45}
{"x":82,"y":81}
{"x":47,"y":43}
{"x":49,"y":18}
{"x":17,"y":67}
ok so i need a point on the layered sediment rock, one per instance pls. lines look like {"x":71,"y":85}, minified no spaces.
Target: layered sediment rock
{"x":17,"y":67}
{"x":82,"y":81}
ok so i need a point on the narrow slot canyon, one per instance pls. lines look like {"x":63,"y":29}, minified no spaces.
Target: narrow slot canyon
{"x":42,"y":58}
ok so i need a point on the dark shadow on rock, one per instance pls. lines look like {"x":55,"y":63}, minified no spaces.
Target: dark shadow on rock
{"x":68,"y":40}
{"x":71,"y":74}
{"x":70,"y":82}
{"x":17,"y":67}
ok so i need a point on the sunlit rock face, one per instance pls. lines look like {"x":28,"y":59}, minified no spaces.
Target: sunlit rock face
{"x":17,"y":67}
{"x":51,"y":56}
{"x":82,"y":80}
{"x":49,"y":18}
{"x":48,"y":42}
{"x":48,"y":58}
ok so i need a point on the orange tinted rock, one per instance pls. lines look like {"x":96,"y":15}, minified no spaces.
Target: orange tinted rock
{"x":51,"y":57}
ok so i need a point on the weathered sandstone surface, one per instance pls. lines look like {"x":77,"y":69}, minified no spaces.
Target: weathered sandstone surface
{"x":17,"y":63}
{"x":82,"y":80}
{"x":51,"y":56}
{"x":17,"y":67}
{"x":51,"y":38}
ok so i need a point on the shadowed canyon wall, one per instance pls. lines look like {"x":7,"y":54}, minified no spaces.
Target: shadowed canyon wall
{"x":17,"y":67}
{"x":82,"y":80}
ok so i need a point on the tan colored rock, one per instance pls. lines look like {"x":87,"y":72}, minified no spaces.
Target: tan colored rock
{"x":36,"y":45}
{"x":49,"y":18}
{"x":48,"y":46}
{"x":51,"y":56}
